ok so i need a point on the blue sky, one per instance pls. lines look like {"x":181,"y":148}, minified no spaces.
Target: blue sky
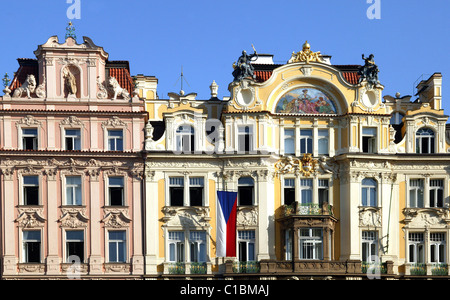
{"x":412,"y":37}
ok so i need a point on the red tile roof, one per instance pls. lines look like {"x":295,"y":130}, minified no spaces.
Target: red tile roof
{"x":351,"y":77}
{"x":26,"y":66}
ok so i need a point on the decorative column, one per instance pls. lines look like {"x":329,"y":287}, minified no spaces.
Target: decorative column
{"x":151,"y":221}
{"x":266,"y":222}
{"x":138,"y":258}
{"x":10,"y":243}
{"x":94,"y":202}
{"x":53,"y":259}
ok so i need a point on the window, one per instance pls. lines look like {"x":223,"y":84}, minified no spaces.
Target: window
{"x":306,"y":141}
{"x":116,"y":191}
{"x":31,"y":246}
{"x":246,"y":244}
{"x":245,"y":191}
{"x":369,"y":140}
{"x":306,"y":191}
{"x":197,"y":242}
{"x":73,"y":139}
{"x":437,"y":247}
{"x":245,"y":139}
{"x":289,"y":141}
{"x":323,"y":142}
{"x":73,"y":190}
{"x":416,"y":193}
{"x":369,"y":192}
{"x":30,"y":138}
{"x":289,"y":191}
{"x":176,"y":246}
{"x":369,"y":246}
{"x":196,"y":191}
{"x":425,"y":141}
{"x":416,"y":247}
{"x":310,"y":243}
{"x":117,"y":246}
{"x":176,"y":191}
{"x":115,"y":140}
{"x":30,"y":190}
{"x":74,"y":245}
{"x":288,"y":244}
{"x":436,"y":193}
{"x":323,"y":191}
{"x":185,"y":139}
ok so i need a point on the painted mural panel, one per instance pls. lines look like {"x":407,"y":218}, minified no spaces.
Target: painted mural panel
{"x":305,"y":101}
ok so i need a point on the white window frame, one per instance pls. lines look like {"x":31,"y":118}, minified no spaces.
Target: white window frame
{"x":306,"y":187}
{"x":369,"y":188}
{"x":186,"y":187}
{"x":290,"y":138}
{"x":309,"y":140}
{"x":184,"y":135}
{"x":197,"y":241}
{"x":412,"y":186}
{"x":124,"y":190}
{"x":321,"y":138}
{"x":416,"y":240}
{"x":65,"y":186}
{"x":241,"y":135}
{"x":431,"y":141}
{"x":65,"y":136}
{"x":247,"y":238}
{"x":126,"y":245}
{"x":65,"y":241}
{"x":438,"y":240}
{"x":22,"y":186}
{"x":177,"y":238}
{"x":312,"y":241}
{"x":434,"y":188}
{"x":23,"y":255}
{"x":369,"y":246}
{"x":36,"y":144}
{"x":115,"y":138}
{"x":372,"y":140}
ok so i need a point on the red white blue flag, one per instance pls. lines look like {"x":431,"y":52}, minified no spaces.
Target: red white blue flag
{"x":226,"y":224}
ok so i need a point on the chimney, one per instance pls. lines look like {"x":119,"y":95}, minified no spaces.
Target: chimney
{"x":430,"y":91}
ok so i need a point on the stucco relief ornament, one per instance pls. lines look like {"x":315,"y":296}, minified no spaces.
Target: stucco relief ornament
{"x":306,"y":55}
{"x":28,"y":87}
{"x":102,"y":91}
{"x":306,"y":166}
{"x":70,"y":82}
{"x":40,"y":90}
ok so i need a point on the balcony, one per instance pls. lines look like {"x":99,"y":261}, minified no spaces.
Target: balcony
{"x":307,"y":209}
{"x":181,"y":268}
{"x":350,"y":268}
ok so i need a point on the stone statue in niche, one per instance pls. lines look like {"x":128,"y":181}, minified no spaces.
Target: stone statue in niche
{"x":28,"y":87}
{"x":70,"y":82}
{"x":369,"y":72}
{"x":243,"y":68}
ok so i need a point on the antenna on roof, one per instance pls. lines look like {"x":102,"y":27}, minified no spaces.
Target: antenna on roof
{"x":182,"y":78}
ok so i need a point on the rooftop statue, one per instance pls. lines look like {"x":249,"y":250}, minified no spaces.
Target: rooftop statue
{"x":243,"y":68}
{"x":369,"y":72}
{"x":306,"y":55}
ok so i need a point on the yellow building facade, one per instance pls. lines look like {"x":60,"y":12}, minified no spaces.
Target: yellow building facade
{"x":333,"y":178}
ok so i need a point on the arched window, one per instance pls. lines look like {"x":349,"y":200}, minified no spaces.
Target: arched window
{"x":185,"y":139}
{"x":369,"y":192}
{"x":425,"y":140}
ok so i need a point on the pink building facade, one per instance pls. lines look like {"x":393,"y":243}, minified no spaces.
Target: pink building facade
{"x":71,"y":161}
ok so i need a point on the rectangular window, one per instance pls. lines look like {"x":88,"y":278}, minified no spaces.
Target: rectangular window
{"x":176,"y":246}
{"x":246,"y":244}
{"x":306,"y":141}
{"x":73,"y":139}
{"x":289,"y":191}
{"x":30,"y":138}
{"x":310,"y":243}
{"x":73,"y":190}
{"x":74,"y":245}
{"x":196,"y":191}
{"x":369,"y":140}
{"x":436,"y":193}
{"x":416,"y":193}
{"x":288,"y":244}
{"x":369,"y":192}
{"x":245,"y":139}
{"x":176,"y":191}
{"x":306,"y":191}
{"x":245,"y":191}
{"x":30,"y":190}
{"x":116,"y":191}
{"x":115,"y":140}
{"x":323,"y":191}
{"x":289,"y":141}
{"x":416,"y":247}
{"x":369,"y":246}
{"x":323,"y":142}
{"x":31,"y":246}
{"x":197,"y":242}
{"x":437,"y":247}
{"x":117,"y":244}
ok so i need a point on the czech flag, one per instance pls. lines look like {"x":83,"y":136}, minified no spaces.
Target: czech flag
{"x":226,"y":224}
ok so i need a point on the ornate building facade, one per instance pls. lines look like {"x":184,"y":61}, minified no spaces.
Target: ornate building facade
{"x":71,"y":166}
{"x":100,"y":178}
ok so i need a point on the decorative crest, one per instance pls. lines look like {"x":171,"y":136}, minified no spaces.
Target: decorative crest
{"x":70,"y":31}
{"x":306,"y":55}
{"x":305,"y":166}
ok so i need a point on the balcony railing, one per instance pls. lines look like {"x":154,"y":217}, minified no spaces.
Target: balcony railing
{"x":198,"y":268}
{"x":307,"y":209}
{"x":418,"y":269}
{"x":373,"y":268}
{"x":178,"y":268}
{"x":246,"y":267}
